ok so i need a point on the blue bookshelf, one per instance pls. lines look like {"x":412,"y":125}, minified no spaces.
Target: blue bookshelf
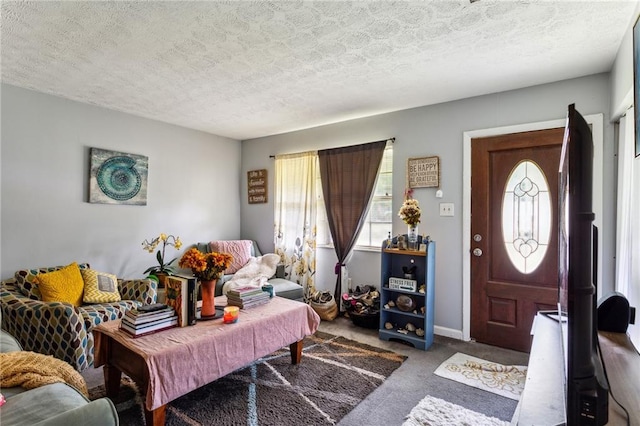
{"x":392,"y":263}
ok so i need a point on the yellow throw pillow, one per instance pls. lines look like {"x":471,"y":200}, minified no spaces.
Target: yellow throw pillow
{"x":64,"y":285}
{"x":99,"y":287}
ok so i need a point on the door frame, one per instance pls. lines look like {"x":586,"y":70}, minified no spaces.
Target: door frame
{"x":597,"y":128}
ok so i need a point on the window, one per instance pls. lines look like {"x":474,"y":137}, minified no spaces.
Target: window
{"x":378,"y":222}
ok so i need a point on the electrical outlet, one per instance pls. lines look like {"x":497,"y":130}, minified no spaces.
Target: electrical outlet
{"x":446,"y":209}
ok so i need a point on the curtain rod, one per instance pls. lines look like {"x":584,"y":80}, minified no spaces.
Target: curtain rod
{"x":392,"y":140}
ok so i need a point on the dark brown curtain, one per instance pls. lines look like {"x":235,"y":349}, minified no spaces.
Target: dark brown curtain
{"x":348,"y":176}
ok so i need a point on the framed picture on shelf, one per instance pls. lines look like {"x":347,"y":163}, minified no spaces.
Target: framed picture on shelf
{"x":636,"y":83}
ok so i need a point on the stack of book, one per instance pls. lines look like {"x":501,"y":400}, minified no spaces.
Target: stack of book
{"x":247,"y":297}
{"x":149,"y":319}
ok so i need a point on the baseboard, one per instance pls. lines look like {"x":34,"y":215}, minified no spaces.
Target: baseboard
{"x":447,"y":332}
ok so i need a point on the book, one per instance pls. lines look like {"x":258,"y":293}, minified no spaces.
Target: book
{"x":142,"y":319}
{"x":148,"y":309}
{"x":244,"y":291}
{"x":192,"y":300}
{"x":139,"y":312}
{"x":249,"y":299}
{"x":153,"y":328}
{"x":176,"y":294}
{"x":248,"y":302}
{"x":180,"y":295}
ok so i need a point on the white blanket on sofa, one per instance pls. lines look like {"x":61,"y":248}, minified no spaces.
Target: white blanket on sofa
{"x":254,"y":273}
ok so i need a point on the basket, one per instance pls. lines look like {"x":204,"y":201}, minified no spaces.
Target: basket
{"x":365,"y":320}
{"x":328,"y":311}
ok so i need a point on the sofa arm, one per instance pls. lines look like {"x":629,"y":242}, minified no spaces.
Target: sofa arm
{"x":145,"y":290}
{"x":50,"y":328}
{"x":100,"y":412}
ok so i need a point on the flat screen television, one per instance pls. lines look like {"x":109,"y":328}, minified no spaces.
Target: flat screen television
{"x":586,"y":389}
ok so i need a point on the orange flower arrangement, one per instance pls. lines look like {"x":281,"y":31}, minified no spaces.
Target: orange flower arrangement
{"x":205,"y":266}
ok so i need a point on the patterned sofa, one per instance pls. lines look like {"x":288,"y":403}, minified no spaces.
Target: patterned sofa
{"x":61,"y":329}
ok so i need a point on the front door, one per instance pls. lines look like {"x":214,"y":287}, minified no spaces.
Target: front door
{"x":514,"y":244}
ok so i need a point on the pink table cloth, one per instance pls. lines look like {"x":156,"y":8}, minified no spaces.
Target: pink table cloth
{"x":180,"y":360}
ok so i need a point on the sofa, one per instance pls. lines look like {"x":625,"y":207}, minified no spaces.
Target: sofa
{"x":59,"y":328}
{"x":56,"y":404}
{"x":281,"y":286}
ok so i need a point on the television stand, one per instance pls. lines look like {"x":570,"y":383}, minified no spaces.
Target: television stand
{"x":543,"y":401}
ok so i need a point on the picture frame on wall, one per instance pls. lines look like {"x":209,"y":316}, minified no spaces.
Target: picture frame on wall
{"x":423,"y":172}
{"x":118,"y":177}
{"x":636,"y":84}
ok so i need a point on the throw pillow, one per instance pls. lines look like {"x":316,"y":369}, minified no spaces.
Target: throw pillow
{"x":26,"y":280}
{"x":239,"y":249}
{"x":64,"y":285}
{"x":99,"y":287}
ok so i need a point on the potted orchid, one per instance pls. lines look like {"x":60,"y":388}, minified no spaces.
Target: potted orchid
{"x":163,"y":267}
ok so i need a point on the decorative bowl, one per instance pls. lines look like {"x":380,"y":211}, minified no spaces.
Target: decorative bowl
{"x":405,"y":303}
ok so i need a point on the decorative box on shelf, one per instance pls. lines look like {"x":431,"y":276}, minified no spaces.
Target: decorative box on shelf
{"x":403,"y":284}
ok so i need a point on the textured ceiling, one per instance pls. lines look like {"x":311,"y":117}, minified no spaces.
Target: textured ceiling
{"x":245,"y":69}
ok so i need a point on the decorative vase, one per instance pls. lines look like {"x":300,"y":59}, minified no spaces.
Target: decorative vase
{"x":412,"y":236}
{"x":208,"y":291}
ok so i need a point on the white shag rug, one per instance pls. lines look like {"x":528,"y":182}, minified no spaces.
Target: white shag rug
{"x":504,"y":380}
{"x":437,"y":412}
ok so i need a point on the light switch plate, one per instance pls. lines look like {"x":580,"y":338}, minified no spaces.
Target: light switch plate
{"x":446,"y":209}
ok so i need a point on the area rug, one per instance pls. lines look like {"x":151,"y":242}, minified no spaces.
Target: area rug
{"x":437,"y":412}
{"x":504,"y":380}
{"x":334,"y":376}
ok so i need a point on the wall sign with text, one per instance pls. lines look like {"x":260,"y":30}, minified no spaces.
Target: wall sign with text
{"x":423,"y":172}
{"x":257,"y":186}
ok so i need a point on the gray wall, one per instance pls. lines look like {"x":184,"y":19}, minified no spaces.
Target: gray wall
{"x":193,"y":189}
{"x":426,"y":131}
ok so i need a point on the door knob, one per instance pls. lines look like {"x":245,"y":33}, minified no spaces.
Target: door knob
{"x":477,"y":252}
{"x":477,"y":238}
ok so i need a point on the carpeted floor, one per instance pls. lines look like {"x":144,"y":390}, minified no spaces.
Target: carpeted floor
{"x":391,"y":402}
{"x":335,"y":375}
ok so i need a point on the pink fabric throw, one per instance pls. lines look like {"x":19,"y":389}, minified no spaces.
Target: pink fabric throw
{"x":239,"y":249}
{"x":180,"y":360}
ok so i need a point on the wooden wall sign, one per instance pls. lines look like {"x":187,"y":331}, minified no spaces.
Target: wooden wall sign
{"x":257,"y":186}
{"x":423,"y":172}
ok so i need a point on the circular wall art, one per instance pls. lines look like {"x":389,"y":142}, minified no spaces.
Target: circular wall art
{"x":118,"y":178}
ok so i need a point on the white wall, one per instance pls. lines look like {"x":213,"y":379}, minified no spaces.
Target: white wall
{"x":622,"y":98}
{"x":426,"y":131}
{"x":193,"y":189}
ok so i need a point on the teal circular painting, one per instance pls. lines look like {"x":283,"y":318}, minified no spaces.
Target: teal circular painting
{"x":118,"y":178}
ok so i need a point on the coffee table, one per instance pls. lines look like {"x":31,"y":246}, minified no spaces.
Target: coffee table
{"x":174,"y":362}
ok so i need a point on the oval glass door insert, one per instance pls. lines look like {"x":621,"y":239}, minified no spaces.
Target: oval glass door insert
{"x":526,"y":216}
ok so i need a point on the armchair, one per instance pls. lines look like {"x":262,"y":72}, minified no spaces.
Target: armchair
{"x":61,"y":329}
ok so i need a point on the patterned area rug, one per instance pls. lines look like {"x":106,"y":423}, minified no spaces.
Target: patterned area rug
{"x":504,"y":380}
{"x":334,"y":376}
{"x":437,"y":412}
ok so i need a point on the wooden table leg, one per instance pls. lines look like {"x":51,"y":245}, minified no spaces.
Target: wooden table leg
{"x":155,"y":417}
{"x":296,"y":352}
{"x":112,"y":376}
